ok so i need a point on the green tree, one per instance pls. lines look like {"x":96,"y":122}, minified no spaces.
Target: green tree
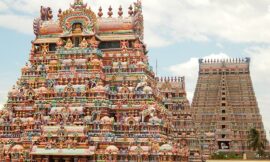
{"x":255,"y":142}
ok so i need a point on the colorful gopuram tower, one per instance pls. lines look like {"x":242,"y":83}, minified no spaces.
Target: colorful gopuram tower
{"x":88,"y":94}
{"x":225,"y":106}
{"x":174,"y":98}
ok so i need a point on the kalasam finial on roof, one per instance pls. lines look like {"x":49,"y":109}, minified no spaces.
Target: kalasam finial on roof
{"x":78,"y":4}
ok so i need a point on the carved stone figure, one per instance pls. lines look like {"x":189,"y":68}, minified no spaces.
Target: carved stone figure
{"x":138,"y":19}
{"x":84,"y":43}
{"x":155,"y":147}
{"x":142,"y":84}
{"x":45,"y":13}
{"x":59,"y":12}
{"x":45,"y":48}
{"x":69,"y":44}
{"x":124,"y":45}
{"x":93,"y":42}
{"x":59,"y":43}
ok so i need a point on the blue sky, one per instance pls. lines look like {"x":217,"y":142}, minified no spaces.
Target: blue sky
{"x":177,"y":34}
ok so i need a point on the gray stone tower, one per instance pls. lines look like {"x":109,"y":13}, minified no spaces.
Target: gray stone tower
{"x":225,"y":106}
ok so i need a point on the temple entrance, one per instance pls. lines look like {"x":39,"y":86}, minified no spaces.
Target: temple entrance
{"x":224,"y":145}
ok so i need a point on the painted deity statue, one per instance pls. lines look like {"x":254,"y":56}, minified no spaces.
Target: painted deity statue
{"x":84,"y":43}
{"x":77,"y":28}
{"x":69,"y":44}
{"x":137,"y":44}
{"x":93,"y":42}
{"x":124,"y":45}
{"x":59,"y":43}
{"x":142,"y":84}
{"x":155,"y":146}
{"x":69,"y":143}
{"x":45,"y":48}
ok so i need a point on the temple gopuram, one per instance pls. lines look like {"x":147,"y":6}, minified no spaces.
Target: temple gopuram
{"x":88,"y":94}
{"x":225,"y":106}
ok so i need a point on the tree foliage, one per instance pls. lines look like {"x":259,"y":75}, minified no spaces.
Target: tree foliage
{"x":255,"y":141}
{"x":225,"y":156}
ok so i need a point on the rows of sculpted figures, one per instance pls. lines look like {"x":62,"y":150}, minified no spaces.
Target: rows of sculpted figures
{"x":88,"y":93}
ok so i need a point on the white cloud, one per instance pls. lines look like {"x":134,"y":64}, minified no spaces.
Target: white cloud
{"x":15,"y":22}
{"x":155,"y":40}
{"x":32,"y":7}
{"x":167,"y":23}
{"x":202,"y":20}
{"x":3,"y":6}
{"x":1,"y":106}
{"x":188,"y":69}
{"x":3,"y":98}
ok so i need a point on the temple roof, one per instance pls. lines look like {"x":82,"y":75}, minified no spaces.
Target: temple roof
{"x":46,"y":40}
{"x":106,"y":28}
{"x":232,"y":63}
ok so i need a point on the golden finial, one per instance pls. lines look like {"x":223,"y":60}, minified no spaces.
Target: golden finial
{"x":78,"y":4}
{"x":78,"y":1}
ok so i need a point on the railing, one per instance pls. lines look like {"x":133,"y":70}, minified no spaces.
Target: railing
{"x":77,"y":50}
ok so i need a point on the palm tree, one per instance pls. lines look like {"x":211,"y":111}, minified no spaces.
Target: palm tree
{"x":255,"y":142}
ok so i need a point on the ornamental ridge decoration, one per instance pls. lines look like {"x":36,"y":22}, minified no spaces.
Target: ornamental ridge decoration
{"x":84,"y":16}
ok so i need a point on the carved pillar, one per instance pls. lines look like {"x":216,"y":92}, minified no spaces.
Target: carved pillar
{"x":67,"y":159}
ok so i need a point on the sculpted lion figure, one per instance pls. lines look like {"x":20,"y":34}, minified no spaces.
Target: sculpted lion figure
{"x":45,"y":13}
